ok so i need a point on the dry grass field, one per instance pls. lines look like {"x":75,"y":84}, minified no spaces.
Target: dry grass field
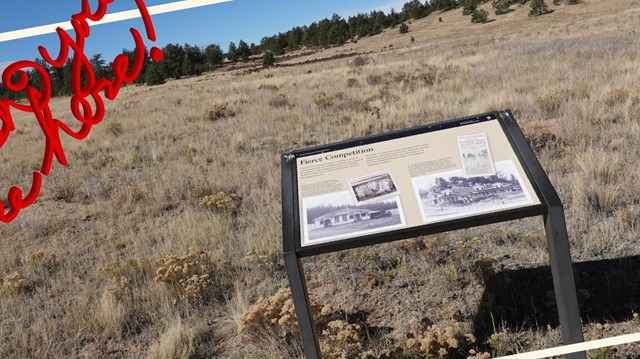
{"x":162,"y":238}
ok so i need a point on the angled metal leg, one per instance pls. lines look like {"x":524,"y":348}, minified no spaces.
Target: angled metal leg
{"x":303,"y":306}
{"x":563,"y":281}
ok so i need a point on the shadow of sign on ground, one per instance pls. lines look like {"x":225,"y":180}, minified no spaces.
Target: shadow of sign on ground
{"x":523,"y":299}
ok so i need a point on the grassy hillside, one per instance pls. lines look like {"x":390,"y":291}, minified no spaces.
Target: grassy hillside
{"x":162,"y":238}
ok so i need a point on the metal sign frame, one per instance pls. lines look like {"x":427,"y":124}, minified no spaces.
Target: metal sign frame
{"x":550,"y":208}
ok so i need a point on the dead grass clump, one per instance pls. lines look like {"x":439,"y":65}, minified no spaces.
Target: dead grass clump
{"x":270,"y":261}
{"x":428,"y":78}
{"x":325,"y":101}
{"x":124,"y":271}
{"x":379,"y":78}
{"x":339,"y":101}
{"x":595,"y":196}
{"x":616,"y":97}
{"x":352,"y":82}
{"x":194,"y":276}
{"x":16,"y":283}
{"x":41,"y":261}
{"x":400,"y":77}
{"x":269,"y":87}
{"x":596,"y":187}
{"x":279,"y":101}
{"x":630,"y":215}
{"x":103,"y":160}
{"x":175,"y":343}
{"x":551,"y":102}
{"x":114,"y":128}
{"x":111,"y":315}
{"x":218,"y":111}
{"x":121,"y":310}
{"x":63,"y":191}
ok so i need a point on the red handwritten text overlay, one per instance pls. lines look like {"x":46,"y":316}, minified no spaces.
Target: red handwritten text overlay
{"x":87,"y":105}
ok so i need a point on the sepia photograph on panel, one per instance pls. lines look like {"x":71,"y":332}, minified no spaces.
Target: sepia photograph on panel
{"x":475,"y":155}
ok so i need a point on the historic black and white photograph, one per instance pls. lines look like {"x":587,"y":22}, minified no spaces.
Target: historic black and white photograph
{"x":372,"y":187}
{"x":338,"y":216}
{"x":451,"y":195}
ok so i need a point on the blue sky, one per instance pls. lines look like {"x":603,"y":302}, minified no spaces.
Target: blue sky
{"x":248,"y":20}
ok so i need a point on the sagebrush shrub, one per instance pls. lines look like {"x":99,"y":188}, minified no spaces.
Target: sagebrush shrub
{"x":359,"y":61}
{"x":279,"y":101}
{"x":115,"y":128}
{"x":540,"y":137}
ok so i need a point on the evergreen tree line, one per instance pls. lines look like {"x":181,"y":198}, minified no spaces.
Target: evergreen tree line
{"x":189,"y":60}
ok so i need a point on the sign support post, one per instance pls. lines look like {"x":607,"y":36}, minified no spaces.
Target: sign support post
{"x":563,"y":282}
{"x":494,"y":176}
{"x":300,"y":296}
{"x":557,"y":243}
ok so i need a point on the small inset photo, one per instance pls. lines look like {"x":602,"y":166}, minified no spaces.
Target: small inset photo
{"x":475,"y":155}
{"x":373,"y":187}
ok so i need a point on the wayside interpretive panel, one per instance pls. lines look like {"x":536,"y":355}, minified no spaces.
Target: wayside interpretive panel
{"x":465,"y":169}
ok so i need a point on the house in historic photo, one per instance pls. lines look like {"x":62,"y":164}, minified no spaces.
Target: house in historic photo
{"x":343,"y":216}
{"x":474,"y":193}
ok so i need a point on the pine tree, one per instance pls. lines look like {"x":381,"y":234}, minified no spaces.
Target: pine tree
{"x":243,"y":51}
{"x":538,"y":7}
{"x":469,"y":7}
{"x":153,"y":75}
{"x":404,"y":28}
{"x":232,"y":52}
{"x":171,"y":65}
{"x":213,"y":55}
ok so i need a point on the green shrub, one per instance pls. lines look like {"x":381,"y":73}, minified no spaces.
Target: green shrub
{"x":479,"y":16}
{"x":538,"y":7}
{"x":268,"y":59}
{"x":500,"y":6}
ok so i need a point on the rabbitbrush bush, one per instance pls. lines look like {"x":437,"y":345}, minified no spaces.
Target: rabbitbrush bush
{"x":194,"y":276}
{"x":220,"y":201}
